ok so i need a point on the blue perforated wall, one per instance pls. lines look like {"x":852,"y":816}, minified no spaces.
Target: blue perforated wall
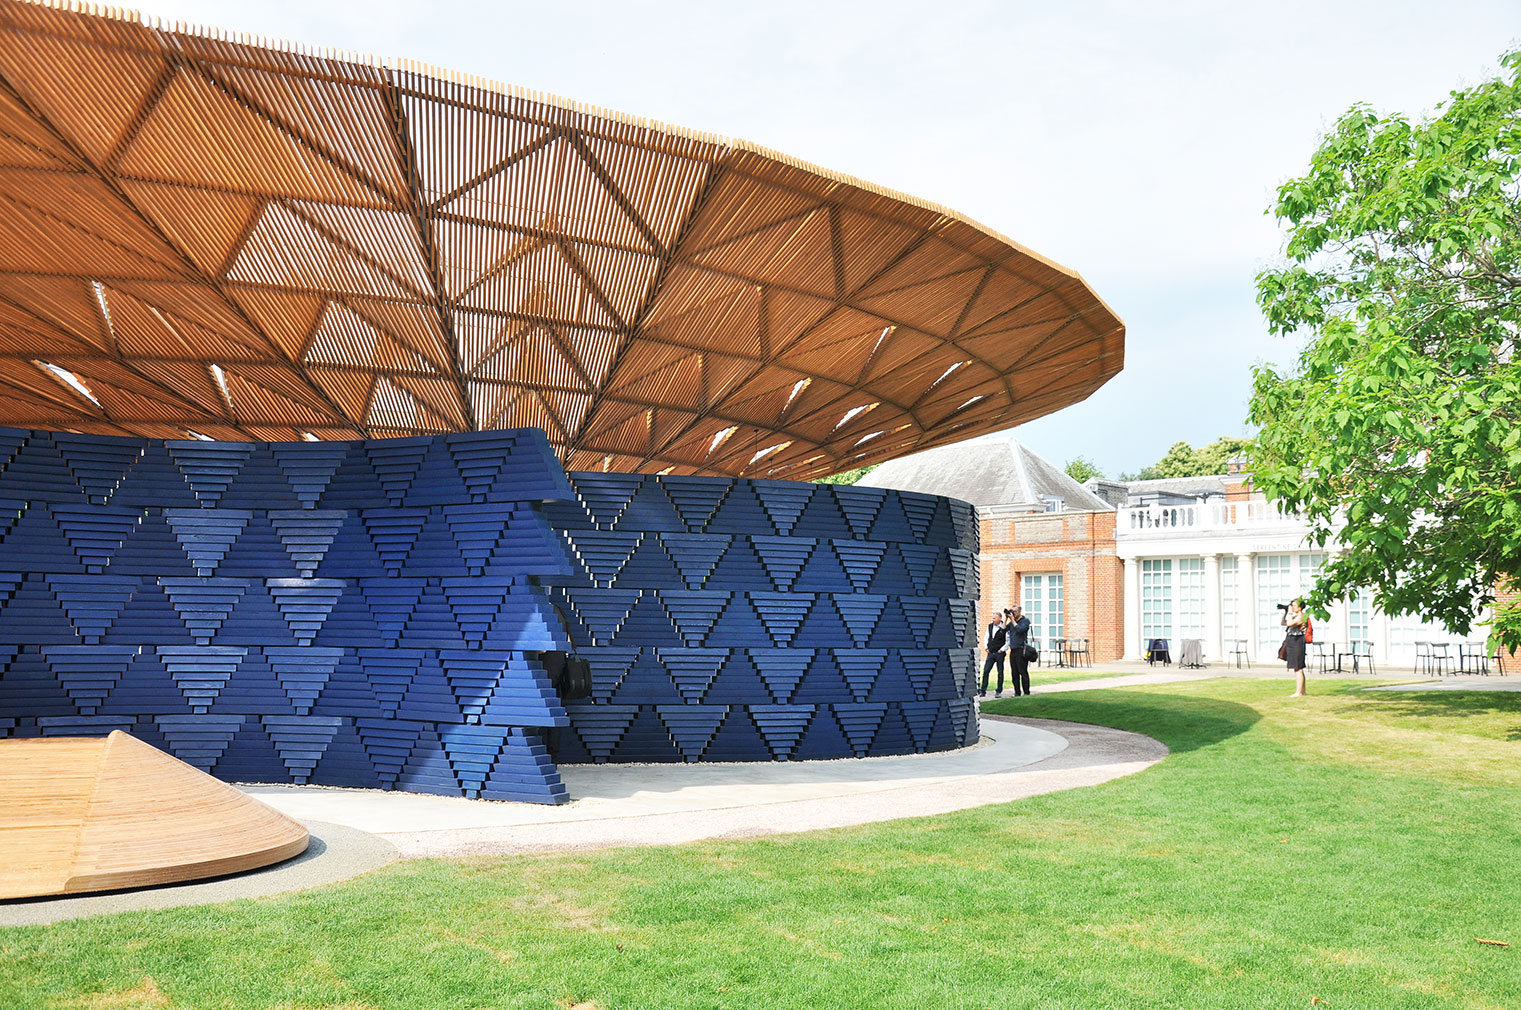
{"x":346,"y":613}
{"x":739,"y":620}
{"x":370,"y":613}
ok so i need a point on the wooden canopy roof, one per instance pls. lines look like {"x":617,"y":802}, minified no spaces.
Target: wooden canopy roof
{"x":203,"y":234}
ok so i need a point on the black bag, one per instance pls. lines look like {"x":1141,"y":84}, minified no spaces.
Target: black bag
{"x":578,"y":679}
{"x":1283,"y":650}
{"x":1032,"y":654}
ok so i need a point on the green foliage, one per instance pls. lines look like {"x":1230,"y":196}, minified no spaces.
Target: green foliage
{"x":1401,"y":417}
{"x":848,"y":477}
{"x":1083,"y":469}
{"x":1183,"y":460}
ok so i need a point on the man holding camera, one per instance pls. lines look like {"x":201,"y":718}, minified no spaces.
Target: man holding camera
{"x":1017,"y":636}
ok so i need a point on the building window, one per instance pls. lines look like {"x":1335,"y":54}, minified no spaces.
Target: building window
{"x":1156,"y":599}
{"x":1190,"y":609}
{"x":1230,"y":583}
{"x":1054,"y":503}
{"x":1357,"y":617}
{"x":1280,"y":578}
{"x":1043,"y":605}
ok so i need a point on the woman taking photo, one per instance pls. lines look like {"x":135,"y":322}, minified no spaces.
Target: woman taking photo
{"x":1293,"y":621}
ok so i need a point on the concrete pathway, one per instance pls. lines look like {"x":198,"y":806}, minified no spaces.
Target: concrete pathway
{"x":356,"y":830}
{"x":1456,"y":684}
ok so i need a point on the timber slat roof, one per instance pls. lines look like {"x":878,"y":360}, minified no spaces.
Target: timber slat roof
{"x":202,"y":233}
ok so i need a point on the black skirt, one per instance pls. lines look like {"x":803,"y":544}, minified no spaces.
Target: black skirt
{"x":1293,"y":651}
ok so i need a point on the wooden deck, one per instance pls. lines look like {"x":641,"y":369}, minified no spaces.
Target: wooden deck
{"x":96,"y":814}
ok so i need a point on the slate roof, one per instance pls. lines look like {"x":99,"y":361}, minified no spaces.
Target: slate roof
{"x":995,"y":470}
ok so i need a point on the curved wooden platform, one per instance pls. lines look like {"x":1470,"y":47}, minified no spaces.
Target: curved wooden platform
{"x":96,"y":814}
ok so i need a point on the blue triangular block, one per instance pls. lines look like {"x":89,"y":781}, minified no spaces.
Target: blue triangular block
{"x":920,"y":667}
{"x":781,"y":669}
{"x":352,"y":555}
{"x":28,"y":687}
{"x":822,"y":682}
{"x":739,"y":569}
{"x":782,"y":726}
{"x":737,"y":740}
{"x":209,"y":467}
{"x":472,"y":752}
{"x":88,"y":673}
{"x":691,"y":726}
{"x":693,"y":612}
{"x":305,"y":604}
{"x":434,"y":552}
{"x":147,"y":619}
{"x":964,"y":621}
{"x":919,"y":509}
{"x":646,"y":683}
{"x":95,"y":532}
{"x":257,"y":621}
{"x":859,"y":723}
{"x":525,"y":772}
{"x":737,"y":684}
{"x":438,"y":479}
{"x":206,"y":535}
{"x":600,"y":727}
{"x":919,"y":717}
{"x":823,"y":518}
{"x":892,"y":576}
{"x":355,"y":485}
{"x":198,"y":740}
{"x":942,"y":735}
{"x":602,"y":611}
{"x":860,"y":667}
{"x":147,"y":687}
{"x":35,"y":535}
{"x":646,"y":740}
{"x":692,"y":670}
{"x":963,"y":720}
{"x":345,"y":762}
{"x":784,"y":502}
{"x":200,"y":672}
{"x":388,"y":744}
{"x":259,"y":483}
{"x":782,"y":614}
{"x":33,"y":616}
{"x":308,"y":467}
{"x":202,"y":604}
{"x":919,"y":617}
{"x":601,"y":553}
{"x":964,"y":570}
{"x":151,"y":549}
{"x":395,"y":462}
{"x":391,"y":602}
{"x":432,"y":624}
{"x":428,"y":769}
{"x":251,"y":757}
{"x":37,"y":465}
{"x":823,"y":572}
{"x":472,"y":677}
{"x":861,"y":506}
{"x":306,"y":535}
{"x":605,"y":495}
{"x":783,"y":558}
{"x":649,"y":567}
{"x":739,"y":627}
{"x":393,"y":532}
{"x":301,"y":741}
{"x":860,"y":612}
{"x":252,"y":690}
{"x":428,"y":696}
{"x":892,"y":630}
{"x":694,"y":554}
{"x":647,"y":625}
{"x":823,"y":627}
{"x":695,"y":498}
{"x":608,"y":668}
{"x":155,"y":482}
{"x":649,"y":510}
{"x":892,"y":736}
{"x":892,"y":682}
{"x":98,"y":463}
{"x":92,"y":602}
{"x":389,"y":674}
{"x":476,"y":531}
{"x":823,"y":739}
{"x":920,"y":562}
{"x":257,"y":553}
{"x":741,"y":513}
{"x":892,"y":522}
{"x":860,"y":558}
{"x":302,"y":673}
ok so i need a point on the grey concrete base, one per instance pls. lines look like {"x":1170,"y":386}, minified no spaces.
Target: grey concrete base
{"x":1457,"y":684}
{"x":337,"y":852}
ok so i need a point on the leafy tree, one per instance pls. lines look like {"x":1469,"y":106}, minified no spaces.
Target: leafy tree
{"x":848,"y":477}
{"x":1183,"y":460}
{"x":1083,"y":469}
{"x":1402,"y":418}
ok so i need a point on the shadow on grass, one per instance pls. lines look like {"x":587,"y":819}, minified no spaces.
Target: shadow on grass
{"x":1182,"y":722}
{"x":1448,"y":705}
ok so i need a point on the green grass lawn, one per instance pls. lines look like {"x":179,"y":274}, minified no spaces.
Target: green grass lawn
{"x":1348,"y":847}
{"x":1060,"y":675}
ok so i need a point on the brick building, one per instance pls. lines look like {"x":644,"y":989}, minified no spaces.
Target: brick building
{"x":1047,"y":542}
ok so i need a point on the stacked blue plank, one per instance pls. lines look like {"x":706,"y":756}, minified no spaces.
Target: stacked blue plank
{"x":744,"y":620}
{"x":345,"y":613}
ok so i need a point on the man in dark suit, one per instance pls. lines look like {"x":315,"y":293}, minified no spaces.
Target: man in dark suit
{"x":1016,"y":637}
{"x":995,"y":647}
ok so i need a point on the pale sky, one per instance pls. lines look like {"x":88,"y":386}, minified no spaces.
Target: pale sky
{"x":1138,"y":144}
